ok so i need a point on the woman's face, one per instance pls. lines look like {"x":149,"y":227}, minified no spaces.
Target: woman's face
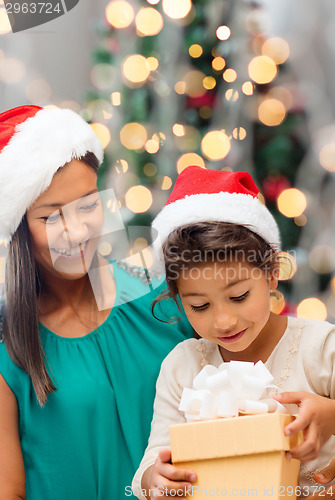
{"x":65,"y":222}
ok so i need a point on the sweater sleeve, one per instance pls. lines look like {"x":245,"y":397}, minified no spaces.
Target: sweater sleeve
{"x":172,"y":379}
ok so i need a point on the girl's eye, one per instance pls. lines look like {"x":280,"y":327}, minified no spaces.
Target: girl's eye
{"x":240,"y":297}
{"x":199,"y":308}
{"x":89,"y":207}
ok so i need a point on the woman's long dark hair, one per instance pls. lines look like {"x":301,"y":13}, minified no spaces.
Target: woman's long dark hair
{"x":20,"y":315}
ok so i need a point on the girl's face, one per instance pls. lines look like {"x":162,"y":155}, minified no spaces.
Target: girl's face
{"x":65,"y":221}
{"x":228,"y":304}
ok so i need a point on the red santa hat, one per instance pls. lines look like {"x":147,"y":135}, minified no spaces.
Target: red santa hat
{"x":34,"y":143}
{"x":202,"y":195}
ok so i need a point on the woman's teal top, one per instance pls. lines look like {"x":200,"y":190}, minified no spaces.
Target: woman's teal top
{"x":88,"y":439}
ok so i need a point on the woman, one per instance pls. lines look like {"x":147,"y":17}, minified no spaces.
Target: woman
{"x":76,"y":380}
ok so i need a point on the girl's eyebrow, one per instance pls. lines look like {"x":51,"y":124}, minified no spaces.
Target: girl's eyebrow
{"x":193,"y":294}
{"x":59,"y":204}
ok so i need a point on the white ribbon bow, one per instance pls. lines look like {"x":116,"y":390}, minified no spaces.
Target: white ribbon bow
{"x":232,"y":388}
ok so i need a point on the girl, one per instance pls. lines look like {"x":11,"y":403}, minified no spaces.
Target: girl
{"x":76,"y":380}
{"x":220,"y":247}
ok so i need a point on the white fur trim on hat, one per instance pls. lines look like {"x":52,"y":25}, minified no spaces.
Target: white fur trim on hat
{"x":243,"y":209}
{"x":39,"y":146}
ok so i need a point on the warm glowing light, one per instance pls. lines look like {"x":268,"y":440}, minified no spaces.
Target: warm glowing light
{"x":5,"y":26}
{"x":136,"y":68}
{"x":195,"y":50}
{"x":153,"y":2}
{"x":239,"y":133}
{"x":209,"y":82}
{"x":167,"y":183}
{"x":231,"y":95}
{"x":247,"y":88}
{"x":327,"y":157}
{"x":119,"y":14}
{"x":188,"y":159}
{"x":229,"y":75}
{"x":38,"y":91}
{"x":218,"y":63}
{"x":133,"y":135}
{"x":271,"y":112}
{"x":277,"y":49}
{"x":105,"y":248}
{"x":277,"y":302}
{"x":262,"y":69}
{"x":223,"y":32}
{"x":312,"y":308}
{"x":151,"y":146}
{"x":178,"y":129}
{"x":153,"y":63}
{"x":291,"y":202}
{"x":194,"y":85}
{"x":149,"y":21}
{"x":180,"y":87}
{"x":150,"y":169}
{"x":177,"y":9}
{"x":301,"y":220}
{"x":116,"y":98}
{"x":102,"y":132}
{"x":283,"y":95}
{"x":12,"y":70}
{"x":322,"y":259}
{"x":215,"y":145}
{"x":121,"y":166}
{"x":287,"y":266}
{"x":138,"y":199}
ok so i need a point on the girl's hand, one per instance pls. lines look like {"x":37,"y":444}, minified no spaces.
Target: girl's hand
{"x":166,"y":481}
{"x":316,"y":419}
{"x":323,"y":477}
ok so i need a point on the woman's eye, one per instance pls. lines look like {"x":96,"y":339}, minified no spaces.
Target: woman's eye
{"x":199,"y":308}
{"x":240,"y":297}
{"x":90,"y":206}
{"x":52,"y":218}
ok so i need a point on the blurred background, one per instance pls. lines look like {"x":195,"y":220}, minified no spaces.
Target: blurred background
{"x":223,"y":84}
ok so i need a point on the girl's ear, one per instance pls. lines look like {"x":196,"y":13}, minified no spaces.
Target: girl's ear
{"x":273,"y":280}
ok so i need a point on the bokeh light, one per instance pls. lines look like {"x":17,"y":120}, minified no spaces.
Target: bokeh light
{"x":229,"y":75}
{"x":239,"y":133}
{"x":12,"y":70}
{"x":262,"y":69}
{"x":215,"y":145}
{"x":291,"y":202}
{"x":150,"y":169}
{"x":133,"y":135}
{"x":167,"y":183}
{"x":327,"y":157}
{"x":180,"y":87}
{"x":223,"y":32}
{"x":102,"y":132}
{"x":153,"y":63}
{"x":231,"y":95}
{"x":121,"y":166}
{"x":138,"y":199}
{"x":248,"y":88}
{"x":195,"y":50}
{"x":177,"y":9}
{"x":271,"y":112}
{"x":189,"y":159}
{"x":287,"y":266}
{"x":194,"y":83}
{"x":283,"y":95}
{"x":38,"y":91}
{"x":209,"y":82}
{"x":152,"y":146}
{"x":277,"y":49}
{"x":178,"y":129}
{"x":322,"y":259}
{"x":149,"y":21}
{"x":312,"y":308}
{"x":5,"y":26}
{"x":119,"y":14}
{"x":136,"y":68}
{"x":218,"y":63}
{"x":116,"y":98}
{"x":277,"y":301}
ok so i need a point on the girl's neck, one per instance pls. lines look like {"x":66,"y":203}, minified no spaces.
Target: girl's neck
{"x":262,"y":347}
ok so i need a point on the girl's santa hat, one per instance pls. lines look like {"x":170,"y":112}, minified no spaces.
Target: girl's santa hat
{"x":202,"y":195}
{"x":34,"y":143}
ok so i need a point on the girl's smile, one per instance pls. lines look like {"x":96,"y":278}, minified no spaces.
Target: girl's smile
{"x":229,"y":304}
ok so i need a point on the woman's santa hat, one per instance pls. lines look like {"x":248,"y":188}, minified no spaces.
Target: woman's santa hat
{"x":34,"y":143}
{"x":202,"y":195}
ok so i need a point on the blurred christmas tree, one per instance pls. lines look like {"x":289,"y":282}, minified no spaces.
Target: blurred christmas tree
{"x":181,"y":82}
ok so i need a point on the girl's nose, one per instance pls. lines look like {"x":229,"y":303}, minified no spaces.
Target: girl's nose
{"x":224,"y":320}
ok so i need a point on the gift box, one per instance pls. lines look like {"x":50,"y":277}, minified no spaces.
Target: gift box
{"x":242,"y":456}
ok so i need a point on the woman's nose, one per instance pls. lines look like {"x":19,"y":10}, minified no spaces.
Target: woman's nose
{"x":75,"y":230}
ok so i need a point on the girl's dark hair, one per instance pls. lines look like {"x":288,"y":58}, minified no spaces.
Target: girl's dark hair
{"x":20,"y":313}
{"x":195,"y":244}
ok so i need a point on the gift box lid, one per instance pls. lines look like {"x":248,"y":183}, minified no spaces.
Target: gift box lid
{"x":227,"y":437}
